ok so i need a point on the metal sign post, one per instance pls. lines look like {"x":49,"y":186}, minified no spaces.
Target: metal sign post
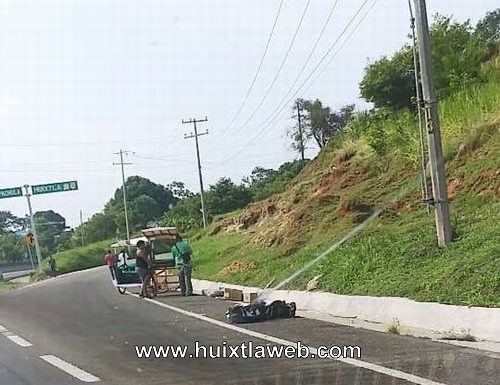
{"x":33,"y":229}
{"x":12,"y":192}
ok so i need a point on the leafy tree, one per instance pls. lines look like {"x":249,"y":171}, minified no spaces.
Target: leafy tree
{"x":185,"y":215}
{"x":146,"y":201}
{"x":264,"y":182}
{"x":142,"y":210}
{"x":488,"y":32}
{"x":53,"y":219}
{"x":99,"y":227}
{"x":9,"y":222}
{"x":457,"y":53}
{"x":225,"y":196}
{"x":11,"y":250}
{"x":390,"y":82}
{"x":319,"y":123}
{"x":179,"y":190}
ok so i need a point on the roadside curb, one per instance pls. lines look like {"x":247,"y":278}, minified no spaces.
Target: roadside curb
{"x":427,"y":319}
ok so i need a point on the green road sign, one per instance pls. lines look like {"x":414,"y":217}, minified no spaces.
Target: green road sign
{"x":11,"y":192}
{"x":54,"y":187}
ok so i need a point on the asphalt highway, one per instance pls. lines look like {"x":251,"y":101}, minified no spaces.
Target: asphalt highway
{"x":77,"y":328}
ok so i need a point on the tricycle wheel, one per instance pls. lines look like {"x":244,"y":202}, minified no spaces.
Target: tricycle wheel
{"x":122,"y":290}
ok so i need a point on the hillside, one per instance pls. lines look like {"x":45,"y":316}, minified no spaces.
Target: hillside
{"x":397,"y":254}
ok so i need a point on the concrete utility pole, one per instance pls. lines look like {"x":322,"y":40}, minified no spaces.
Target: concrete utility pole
{"x":195,"y":136}
{"x":122,"y":163}
{"x":301,"y":137}
{"x":421,"y":132}
{"x":33,"y":229}
{"x":438,"y":177}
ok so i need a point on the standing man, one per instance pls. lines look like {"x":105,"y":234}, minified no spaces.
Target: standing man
{"x":182,"y":254}
{"x":109,"y":260}
{"x":143,"y":267}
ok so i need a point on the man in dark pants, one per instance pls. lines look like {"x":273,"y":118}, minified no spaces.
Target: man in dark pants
{"x":182,"y":255}
{"x":143,"y":267}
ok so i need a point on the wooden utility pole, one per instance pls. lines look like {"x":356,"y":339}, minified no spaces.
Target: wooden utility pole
{"x":122,"y":163}
{"x":195,"y":135}
{"x":438,"y":177}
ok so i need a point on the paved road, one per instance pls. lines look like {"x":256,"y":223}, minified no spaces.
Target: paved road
{"x":86,"y":331}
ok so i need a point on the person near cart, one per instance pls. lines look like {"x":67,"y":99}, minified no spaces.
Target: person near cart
{"x":182,"y":254}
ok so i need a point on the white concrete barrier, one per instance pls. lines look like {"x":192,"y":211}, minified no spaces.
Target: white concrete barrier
{"x":482,"y":323}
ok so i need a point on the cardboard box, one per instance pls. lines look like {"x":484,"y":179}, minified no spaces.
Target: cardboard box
{"x":172,"y":279}
{"x":233,"y":294}
{"x":249,"y":297}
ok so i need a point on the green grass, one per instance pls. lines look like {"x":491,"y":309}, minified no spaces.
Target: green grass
{"x":397,"y":255}
{"x":76,"y":259}
{"x":5,"y":286}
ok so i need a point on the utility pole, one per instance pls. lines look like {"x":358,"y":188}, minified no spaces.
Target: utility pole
{"x":421,"y":132}
{"x":301,"y":137}
{"x":122,"y":163}
{"x":81,"y":226}
{"x":438,"y":177}
{"x":195,"y":135}
{"x":33,"y":229}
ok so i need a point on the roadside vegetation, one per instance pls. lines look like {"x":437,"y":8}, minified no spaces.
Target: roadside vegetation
{"x":6,"y":286}
{"x":274,"y":221}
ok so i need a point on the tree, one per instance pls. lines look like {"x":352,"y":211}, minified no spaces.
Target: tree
{"x":390,"y":82}
{"x":11,"y":249}
{"x":185,"y":215}
{"x":52,"y":219}
{"x":488,"y":32}
{"x":319,"y":123}
{"x":179,"y":190}
{"x":9,"y":222}
{"x":99,"y":227}
{"x":142,"y":210}
{"x":457,"y":53}
{"x":146,"y":201}
{"x":225,"y":196}
{"x":264,"y":182}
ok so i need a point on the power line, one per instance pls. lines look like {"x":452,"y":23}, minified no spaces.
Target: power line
{"x":283,"y":61}
{"x":258,"y":68}
{"x":311,"y":53}
{"x":353,"y":30}
{"x":323,"y":58}
{"x":38,"y":144}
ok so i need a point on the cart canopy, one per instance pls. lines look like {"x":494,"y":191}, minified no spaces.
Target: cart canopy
{"x":156,"y":233}
{"x":124,"y":242}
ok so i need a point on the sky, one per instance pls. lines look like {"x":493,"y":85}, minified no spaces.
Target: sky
{"x":82,"y":79}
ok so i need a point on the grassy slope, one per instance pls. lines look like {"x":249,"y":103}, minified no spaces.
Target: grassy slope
{"x":395,"y":256}
{"x":77,"y":259}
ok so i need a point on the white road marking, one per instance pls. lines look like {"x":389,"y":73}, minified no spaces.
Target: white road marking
{"x":3,"y":329}
{"x":70,"y":369}
{"x":16,"y":339}
{"x":350,"y":361}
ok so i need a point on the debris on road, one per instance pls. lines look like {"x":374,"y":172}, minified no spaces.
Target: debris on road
{"x":259,"y":311}
{"x":249,"y":297}
{"x":233,"y":294}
